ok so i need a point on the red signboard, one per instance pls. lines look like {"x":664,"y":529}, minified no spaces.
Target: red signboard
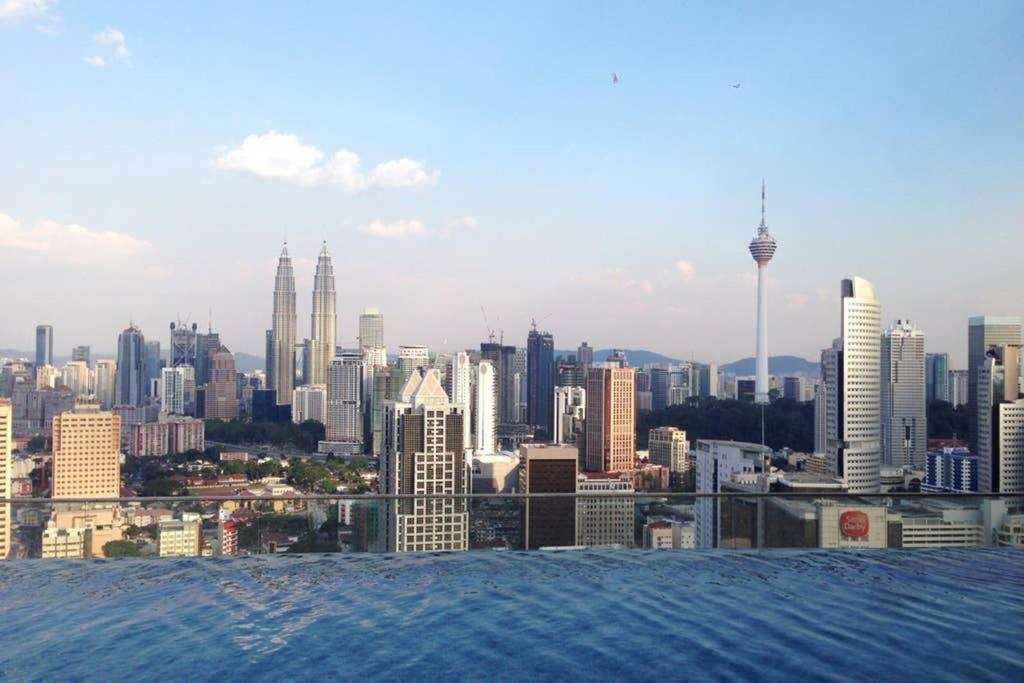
{"x":854,"y":524}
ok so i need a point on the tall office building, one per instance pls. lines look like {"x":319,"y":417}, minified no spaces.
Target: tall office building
{"x":75,"y":376}
{"x":585,"y":355}
{"x":80,"y":353}
{"x":130,"y":382}
{"x":324,"y":325}
{"x":309,"y":402}
{"x":222,"y":389}
{"x":1000,"y":420}
{"x":486,"y":414}
{"x":344,"y":424}
{"x":86,"y":453}
{"x":44,"y":345}
{"x":151,"y":364}
{"x":540,"y":360}
{"x":206,"y":345}
{"x":936,"y":377}
{"x":6,"y":434}
{"x":570,"y":414}
{"x":183,"y":344}
{"x":410,"y":357}
{"x":708,"y":381}
{"x":853,"y":387}
{"x":958,"y":383}
{"x":602,"y":519}
{"x":371,"y":329}
{"x":106,"y":383}
{"x":281,"y":340}
{"x":667,"y":446}
{"x":762,"y":248}
{"x":904,"y":417}
{"x":984,"y":332}
{"x":548,"y":522}
{"x":460,"y":378}
{"x":820,"y":415}
{"x":425,"y":456}
{"x":611,"y":420}
{"x":502,"y":359}
{"x":177,"y":389}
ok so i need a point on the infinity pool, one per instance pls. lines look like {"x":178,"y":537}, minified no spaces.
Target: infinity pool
{"x":778,"y":615}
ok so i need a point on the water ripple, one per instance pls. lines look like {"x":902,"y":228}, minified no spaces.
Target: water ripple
{"x":941,"y":615}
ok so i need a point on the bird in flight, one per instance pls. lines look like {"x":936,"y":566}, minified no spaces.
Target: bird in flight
{"x":615,"y":78}
{"x":736,"y":85}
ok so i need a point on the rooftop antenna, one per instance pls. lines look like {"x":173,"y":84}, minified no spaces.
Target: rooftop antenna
{"x":210,"y":320}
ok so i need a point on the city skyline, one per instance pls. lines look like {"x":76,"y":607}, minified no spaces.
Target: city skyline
{"x":669,"y":157}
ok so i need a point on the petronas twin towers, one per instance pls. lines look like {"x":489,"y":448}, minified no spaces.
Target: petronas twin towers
{"x":281,"y":336}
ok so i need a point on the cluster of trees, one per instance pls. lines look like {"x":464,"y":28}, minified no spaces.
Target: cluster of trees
{"x":307,"y":474}
{"x":302,"y":436}
{"x":787,"y":422}
{"x":947,"y":422}
{"x":121,"y":549}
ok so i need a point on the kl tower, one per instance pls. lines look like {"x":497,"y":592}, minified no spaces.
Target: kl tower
{"x":762,"y":248}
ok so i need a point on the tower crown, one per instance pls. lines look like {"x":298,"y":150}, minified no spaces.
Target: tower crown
{"x":763,"y":246}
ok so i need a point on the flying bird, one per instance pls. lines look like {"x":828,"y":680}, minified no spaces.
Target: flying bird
{"x":615,"y":78}
{"x":736,"y":85}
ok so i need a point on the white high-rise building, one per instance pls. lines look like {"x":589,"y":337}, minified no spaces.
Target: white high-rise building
{"x":853,"y":384}
{"x":105,"y":381}
{"x":820,"y":415}
{"x":717,"y":462}
{"x":371,"y":329}
{"x":762,"y":248}
{"x":324,"y":321}
{"x":904,"y":417}
{"x":75,"y":376}
{"x":486,"y":408}
{"x":345,"y":403}
{"x":667,"y":446}
{"x":570,"y":413}
{"x":460,"y":375}
{"x":959,"y":383}
{"x":309,"y":402}
{"x":176,"y":386}
{"x":1000,"y":420}
{"x":281,"y":337}
{"x":410,"y":357}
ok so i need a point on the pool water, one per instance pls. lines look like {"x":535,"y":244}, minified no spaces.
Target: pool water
{"x":782,"y":615}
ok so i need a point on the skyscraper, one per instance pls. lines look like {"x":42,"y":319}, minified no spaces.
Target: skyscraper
{"x":460,"y":378}
{"x":540,"y":359}
{"x":183,"y":344}
{"x":309,"y":402}
{"x":86,"y":453}
{"x":904,"y":418}
{"x":762,"y":248}
{"x":570,"y":414}
{"x":820,"y":414}
{"x":585,"y":355}
{"x":936,"y":377}
{"x":410,"y":357}
{"x":106,"y":382}
{"x":80,"y":353}
{"x":502,"y":359}
{"x":486,"y":408}
{"x":151,"y":364}
{"x":130,"y":382}
{"x":344,"y":432}
{"x":206,"y":345}
{"x":548,"y":522}
{"x":44,"y":345}
{"x":611,"y":420}
{"x":324,"y":326}
{"x":853,"y":389}
{"x":222,"y":389}
{"x":6,"y":434}
{"x":177,"y":389}
{"x":425,"y":456}
{"x":371,"y":329}
{"x":984,"y":332}
{"x":281,"y":343}
{"x":958,"y":383}
{"x":1000,"y":420}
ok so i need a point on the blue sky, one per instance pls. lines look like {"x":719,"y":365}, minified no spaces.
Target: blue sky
{"x":499,"y":166}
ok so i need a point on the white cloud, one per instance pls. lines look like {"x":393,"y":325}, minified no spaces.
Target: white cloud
{"x":157,"y":272}
{"x":281,"y":156}
{"x":685,"y":270}
{"x":12,"y":10}
{"x":398,"y":229}
{"x":797,"y":300}
{"x":66,"y":243}
{"x":110,"y":36}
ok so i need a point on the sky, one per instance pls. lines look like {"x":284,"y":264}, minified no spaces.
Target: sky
{"x":460,"y":156}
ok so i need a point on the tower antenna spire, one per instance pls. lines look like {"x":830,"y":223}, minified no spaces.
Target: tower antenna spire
{"x":763,"y":227}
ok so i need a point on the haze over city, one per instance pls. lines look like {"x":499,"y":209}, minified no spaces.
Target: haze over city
{"x":468,"y":156}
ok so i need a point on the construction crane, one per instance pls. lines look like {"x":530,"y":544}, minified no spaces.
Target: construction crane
{"x":487,"y":324}
{"x":534,"y":322}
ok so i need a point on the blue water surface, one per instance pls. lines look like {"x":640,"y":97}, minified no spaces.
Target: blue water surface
{"x":937,"y":615}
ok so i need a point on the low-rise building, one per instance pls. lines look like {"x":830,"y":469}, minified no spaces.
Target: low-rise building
{"x":669,"y":534}
{"x":178,"y":538}
{"x":169,"y":436}
{"x":61,"y":544}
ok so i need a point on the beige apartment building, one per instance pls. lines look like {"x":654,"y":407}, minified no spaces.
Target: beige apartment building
{"x":6,"y":433}
{"x":178,"y":538}
{"x":86,"y":453}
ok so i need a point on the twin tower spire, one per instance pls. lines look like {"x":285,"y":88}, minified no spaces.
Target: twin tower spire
{"x":323,"y":327}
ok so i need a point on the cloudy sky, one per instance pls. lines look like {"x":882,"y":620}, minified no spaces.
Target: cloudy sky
{"x":459,"y":155}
